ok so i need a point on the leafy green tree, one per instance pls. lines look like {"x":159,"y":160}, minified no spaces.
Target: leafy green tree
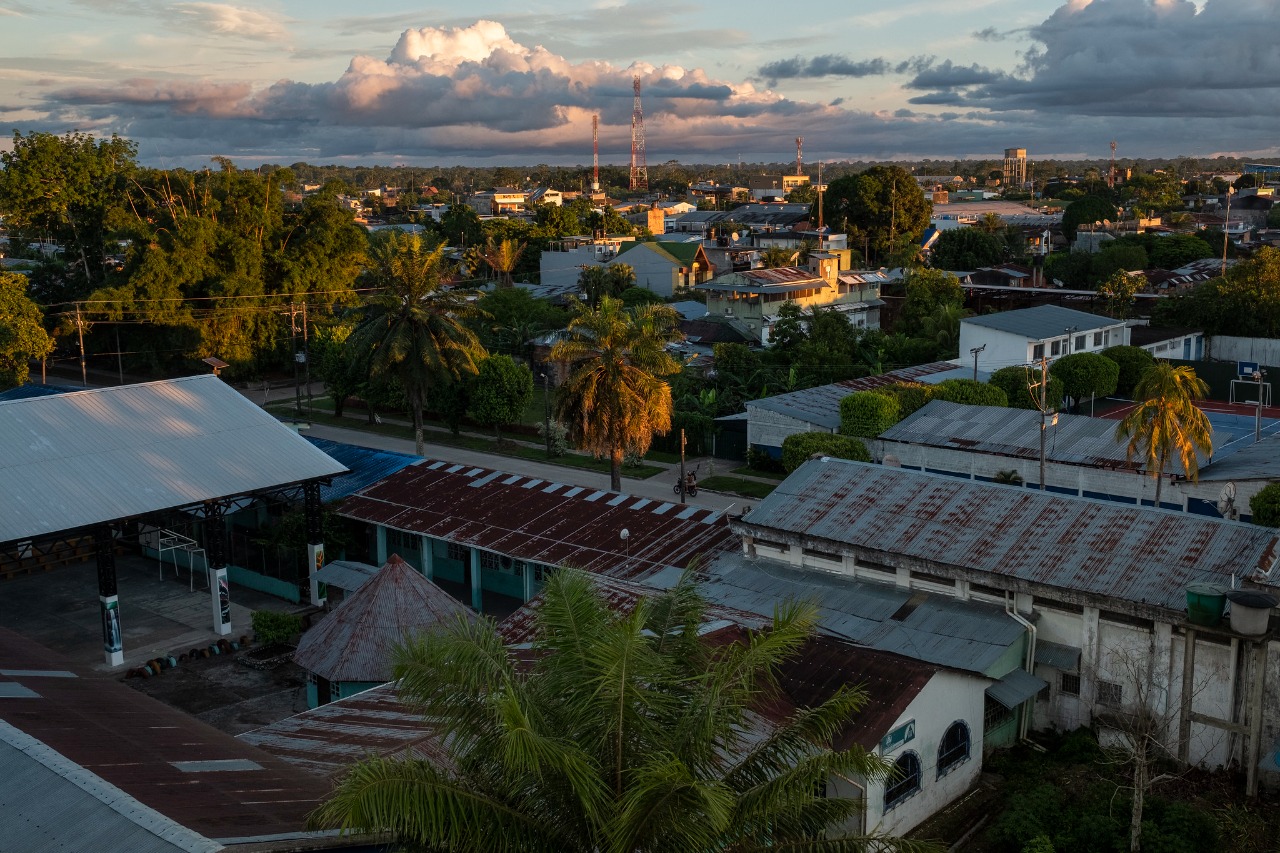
{"x":1244,"y":302}
{"x":413,"y":328}
{"x":1265,"y":506}
{"x":1021,"y":386}
{"x":616,"y":399}
{"x":1167,"y":424}
{"x":798,"y":448}
{"x":927,"y":291}
{"x":1118,"y":291}
{"x":970,"y":393}
{"x":1086,"y":375}
{"x":624,"y":732}
{"x":803,"y":194}
{"x":1177,"y":250}
{"x":333,"y":364}
{"x":943,"y":328}
{"x":633,"y":296}
{"x":1073,"y":269}
{"x":1116,"y":257}
{"x":502,"y":256}
{"x":1086,"y":211}
{"x":912,"y":396}
{"x":775,"y":257}
{"x":450,"y":400}
{"x":967,"y":249}
{"x":1273,"y":216}
{"x":500,"y":392}
{"x":1153,"y":192}
{"x":22,"y":334}
{"x":461,"y":226}
{"x":866,"y":414}
{"x":1133,"y":362}
{"x":885,"y":203}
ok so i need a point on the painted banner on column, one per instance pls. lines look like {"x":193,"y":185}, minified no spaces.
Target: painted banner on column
{"x":319,"y":591}
{"x":112,"y":639}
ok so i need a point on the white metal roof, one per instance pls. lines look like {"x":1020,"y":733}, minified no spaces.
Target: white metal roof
{"x":72,"y":460}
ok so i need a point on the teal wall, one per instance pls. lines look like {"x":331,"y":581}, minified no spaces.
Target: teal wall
{"x":238,"y":574}
{"x":443,"y":567}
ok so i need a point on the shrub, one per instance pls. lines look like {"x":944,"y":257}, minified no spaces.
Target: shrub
{"x":868,"y":413}
{"x":762,"y":461}
{"x":911,"y":396}
{"x":970,"y":393}
{"x":271,"y":627}
{"x":1014,"y":382}
{"x":559,"y":437}
{"x":798,"y":448}
{"x":1265,"y":506}
{"x":1086,"y":374}
{"x":1133,"y":361}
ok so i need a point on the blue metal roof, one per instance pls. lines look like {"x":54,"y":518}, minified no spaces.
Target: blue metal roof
{"x":34,"y":389}
{"x":367,"y":466}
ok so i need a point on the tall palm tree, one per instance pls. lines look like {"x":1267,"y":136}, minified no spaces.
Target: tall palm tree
{"x":615,"y":399}
{"x":412,"y":330}
{"x":502,"y":258}
{"x":623,"y":732}
{"x":1166,"y":424}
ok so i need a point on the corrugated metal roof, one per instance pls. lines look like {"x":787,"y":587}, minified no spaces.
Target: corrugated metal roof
{"x":327,"y":740}
{"x":88,"y":457}
{"x":1116,"y":552}
{"x":364,"y":466}
{"x":355,"y":641}
{"x":1042,"y":321}
{"x":775,"y":280}
{"x":346,"y":575}
{"x":132,"y":741}
{"x":1058,"y":656}
{"x":34,"y":389}
{"x":1258,"y":461}
{"x":935,"y":629}
{"x":1075,"y":440}
{"x":821,"y":405}
{"x":1016,"y":687}
{"x":554,"y":524}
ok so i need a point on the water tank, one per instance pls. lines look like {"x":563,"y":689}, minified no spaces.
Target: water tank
{"x":1250,"y":611}
{"x":1205,"y":603}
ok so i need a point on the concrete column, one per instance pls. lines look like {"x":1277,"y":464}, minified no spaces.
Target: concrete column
{"x":528,"y":582}
{"x":380,"y":552}
{"x":108,"y":600}
{"x":1090,"y":660}
{"x":475,"y":581}
{"x":215,"y":534}
{"x":1161,"y":675}
{"x":426,"y":548}
{"x":315,"y":540}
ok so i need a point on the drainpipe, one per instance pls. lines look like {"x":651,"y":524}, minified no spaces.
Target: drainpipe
{"x":1010,"y":607}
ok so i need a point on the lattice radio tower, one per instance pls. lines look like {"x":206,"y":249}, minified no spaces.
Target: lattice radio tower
{"x":639,"y":171}
{"x":799,"y":155}
{"x":595,"y":153}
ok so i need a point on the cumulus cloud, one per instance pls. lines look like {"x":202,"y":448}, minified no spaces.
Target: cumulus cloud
{"x":226,"y":20}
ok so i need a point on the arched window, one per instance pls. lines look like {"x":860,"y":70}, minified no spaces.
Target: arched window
{"x":904,"y":781}
{"x":954,"y":748}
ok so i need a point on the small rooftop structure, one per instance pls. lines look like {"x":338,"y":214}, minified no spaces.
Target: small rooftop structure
{"x":1109,"y":552}
{"x":355,"y":641}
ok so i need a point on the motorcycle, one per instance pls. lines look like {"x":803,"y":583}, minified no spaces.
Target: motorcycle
{"x":690,"y":486}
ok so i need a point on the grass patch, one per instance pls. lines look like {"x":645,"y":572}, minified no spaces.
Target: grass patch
{"x":663,"y":456}
{"x":737,"y":486}
{"x":748,"y":471}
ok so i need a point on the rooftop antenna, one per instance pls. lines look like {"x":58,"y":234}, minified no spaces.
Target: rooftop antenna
{"x":595,"y":153}
{"x":639,"y":171}
{"x":799,"y":155}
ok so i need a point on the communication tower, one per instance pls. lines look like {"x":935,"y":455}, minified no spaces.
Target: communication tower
{"x":639,"y":171}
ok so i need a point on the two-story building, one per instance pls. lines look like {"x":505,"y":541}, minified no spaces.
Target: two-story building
{"x":664,"y":267}
{"x":1027,"y":335}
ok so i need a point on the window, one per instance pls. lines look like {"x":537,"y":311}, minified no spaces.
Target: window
{"x":904,"y":781}
{"x":1070,"y":684}
{"x":954,"y":748}
{"x":1055,"y":348}
{"x":1080,"y":342}
{"x":1109,"y":693}
{"x":822,"y":555}
{"x":458,"y":552}
{"x":1097,"y":339}
{"x":399,"y":542}
{"x":1037,"y":351}
{"x":489,"y":562}
{"x":994,"y":715}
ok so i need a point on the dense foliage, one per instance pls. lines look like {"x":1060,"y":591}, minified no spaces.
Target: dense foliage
{"x":501,"y":390}
{"x":1021,"y":387}
{"x":868,"y":413}
{"x":798,"y":448}
{"x":884,"y":204}
{"x":1245,"y":302}
{"x":1265,"y":506}
{"x":970,"y":393}
{"x":22,"y":337}
{"x":1133,"y":362}
{"x":1086,"y":374}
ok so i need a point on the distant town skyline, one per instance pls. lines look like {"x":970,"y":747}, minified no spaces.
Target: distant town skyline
{"x":501,"y":82}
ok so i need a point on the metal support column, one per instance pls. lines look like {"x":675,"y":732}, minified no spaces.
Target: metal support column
{"x":475,"y":580}
{"x":427,"y":549}
{"x":215,"y":535}
{"x":108,"y":600}
{"x":315,"y":540}
{"x":380,"y":546}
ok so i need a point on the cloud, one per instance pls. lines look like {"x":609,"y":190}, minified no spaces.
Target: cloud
{"x":223,"y":19}
{"x":834,"y":65}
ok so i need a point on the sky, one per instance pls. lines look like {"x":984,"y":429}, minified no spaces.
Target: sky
{"x":515,"y":82}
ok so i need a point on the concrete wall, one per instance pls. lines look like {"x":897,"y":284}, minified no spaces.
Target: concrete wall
{"x":653,"y":272}
{"x":1261,"y":350}
{"x":766,"y":430}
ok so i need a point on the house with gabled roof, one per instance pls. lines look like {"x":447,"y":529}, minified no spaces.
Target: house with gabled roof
{"x":666,"y":267}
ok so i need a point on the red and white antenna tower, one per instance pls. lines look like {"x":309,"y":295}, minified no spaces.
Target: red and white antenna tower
{"x":595,"y":153}
{"x":1111,"y":173}
{"x":799,"y":155}
{"x":639,"y":171}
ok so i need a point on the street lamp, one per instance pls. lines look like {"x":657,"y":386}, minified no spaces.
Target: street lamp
{"x":546,"y":405}
{"x":974,"y":352}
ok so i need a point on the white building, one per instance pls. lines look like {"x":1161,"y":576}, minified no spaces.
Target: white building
{"x":1026,"y":335}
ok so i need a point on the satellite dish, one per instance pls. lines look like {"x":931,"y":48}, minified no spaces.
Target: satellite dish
{"x":734,"y":236}
{"x":1227,"y":502}
{"x":1106,"y":223}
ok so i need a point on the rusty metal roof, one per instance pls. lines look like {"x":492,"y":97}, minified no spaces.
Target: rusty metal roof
{"x":327,"y":740}
{"x":355,"y":641}
{"x":1074,"y":440}
{"x":821,"y":405}
{"x":775,"y":280}
{"x":143,"y":747}
{"x":551,"y":523}
{"x":1134,"y":554}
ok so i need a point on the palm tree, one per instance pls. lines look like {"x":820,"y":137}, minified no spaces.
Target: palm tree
{"x":1166,"y":423}
{"x":615,"y":399}
{"x":412,"y":330}
{"x":502,"y":258}
{"x":778,"y":256}
{"x":623,"y":732}
{"x":1008,"y":478}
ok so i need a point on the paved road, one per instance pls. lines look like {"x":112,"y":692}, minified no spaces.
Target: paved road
{"x":657,"y":487}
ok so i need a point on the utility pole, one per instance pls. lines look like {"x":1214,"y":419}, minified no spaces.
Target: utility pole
{"x":1257,"y":424}
{"x":306,"y":355}
{"x":974,"y":352}
{"x":84,"y":373}
{"x":1044,"y":411}
{"x":546,"y":408}
{"x":293,"y":339}
{"x":1226,"y":229}
{"x":682,"y":480}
